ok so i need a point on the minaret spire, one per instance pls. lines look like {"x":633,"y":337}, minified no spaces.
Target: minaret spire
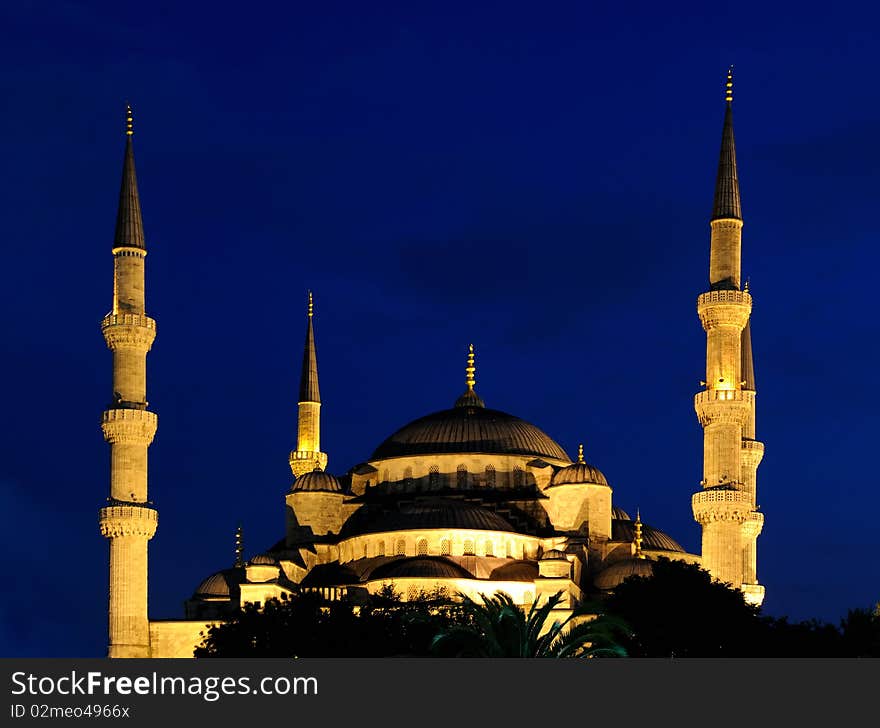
{"x":129,"y":225}
{"x":637,"y":540}
{"x":308,"y":443}
{"x":470,"y":398}
{"x":239,"y":547}
{"x":128,"y":520}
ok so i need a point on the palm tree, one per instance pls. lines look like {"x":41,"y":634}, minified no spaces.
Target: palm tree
{"x":498,"y":627}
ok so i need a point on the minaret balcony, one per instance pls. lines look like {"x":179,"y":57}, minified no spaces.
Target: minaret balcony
{"x":753,"y":525}
{"x":731,"y":406}
{"x":128,"y":330}
{"x":721,"y":504}
{"x":752,"y":453}
{"x":129,"y":426}
{"x":122,"y":518}
{"x":724,"y":308}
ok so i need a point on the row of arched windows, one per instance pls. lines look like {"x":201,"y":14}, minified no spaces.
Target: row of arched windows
{"x":463,"y":476}
{"x":398,"y":547}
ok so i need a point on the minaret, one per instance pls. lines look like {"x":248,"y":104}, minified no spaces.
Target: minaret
{"x":308,"y":441}
{"x":725,"y":507}
{"x":129,"y":519}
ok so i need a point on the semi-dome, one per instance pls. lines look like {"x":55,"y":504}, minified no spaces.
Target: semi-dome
{"x":619,"y":513}
{"x":317,"y":481}
{"x":579,"y":472}
{"x":469,"y":429}
{"x":518,"y":570}
{"x":420,"y":567}
{"x":423,"y":514}
{"x":263,"y":560}
{"x":611,"y":577}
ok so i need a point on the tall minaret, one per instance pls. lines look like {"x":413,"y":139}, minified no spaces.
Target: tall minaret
{"x":129,"y":519}
{"x":725,"y":507}
{"x":308,"y":442}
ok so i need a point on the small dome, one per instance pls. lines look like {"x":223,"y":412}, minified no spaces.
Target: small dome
{"x":612,"y":576}
{"x":554,"y":555}
{"x":620,"y":514}
{"x":316,"y":481}
{"x":652,"y":538}
{"x":578,"y":473}
{"x":219,"y":584}
{"x":264,"y":560}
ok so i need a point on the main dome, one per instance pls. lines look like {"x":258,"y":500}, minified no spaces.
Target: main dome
{"x":465,"y":429}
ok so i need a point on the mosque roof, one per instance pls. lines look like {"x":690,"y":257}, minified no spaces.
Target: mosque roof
{"x":421,"y":514}
{"x":469,"y":429}
{"x":220,"y":583}
{"x":612,"y":576}
{"x":420,"y":567}
{"x":652,"y":538}
{"x":316,"y":481}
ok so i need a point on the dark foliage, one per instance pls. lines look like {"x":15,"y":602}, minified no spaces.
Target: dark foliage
{"x":681,"y":612}
{"x":305,"y":625}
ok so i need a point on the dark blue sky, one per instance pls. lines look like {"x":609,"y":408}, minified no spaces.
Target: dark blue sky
{"x":535,"y":180}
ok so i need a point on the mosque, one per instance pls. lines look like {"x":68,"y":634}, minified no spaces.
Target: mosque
{"x":467,"y":499}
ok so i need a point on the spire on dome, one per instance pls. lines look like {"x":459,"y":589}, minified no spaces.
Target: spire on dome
{"x":239,"y":547}
{"x":308,"y":383}
{"x":470,"y":398}
{"x":727,"y":200}
{"x":581,"y":453}
{"x":637,"y":540}
{"x":129,"y":224}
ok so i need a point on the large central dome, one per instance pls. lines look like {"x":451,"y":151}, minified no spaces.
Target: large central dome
{"x":469,"y":429}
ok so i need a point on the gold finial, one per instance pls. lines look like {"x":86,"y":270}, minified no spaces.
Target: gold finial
{"x":728,"y":89}
{"x":470,"y":369}
{"x":581,"y":453}
{"x":748,"y":286}
{"x":129,"y":130}
{"x":311,"y":305}
{"x":318,"y":464}
{"x":638,"y":536}
{"x":239,"y":548}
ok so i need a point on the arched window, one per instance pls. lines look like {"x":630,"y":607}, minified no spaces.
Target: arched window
{"x":469,"y":547}
{"x":413,"y":593}
{"x":446,"y":547}
{"x":422,"y":547}
{"x":434,"y":476}
{"x":490,"y":548}
{"x":400,"y":548}
{"x":408,"y":477}
{"x":461,"y":479}
{"x":366,"y":550}
{"x":380,"y":548}
{"x":509,"y":549}
{"x":490,"y":476}
{"x":518,"y":476}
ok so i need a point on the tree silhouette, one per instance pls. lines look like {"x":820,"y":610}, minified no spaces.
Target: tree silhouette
{"x":497,"y":627}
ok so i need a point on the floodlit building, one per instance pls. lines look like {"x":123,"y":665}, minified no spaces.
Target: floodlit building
{"x":467,"y":499}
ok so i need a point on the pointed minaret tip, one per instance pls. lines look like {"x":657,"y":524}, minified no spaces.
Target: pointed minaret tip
{"x":308,"y":383}
{"x":129,"y":223}
{"x":727,"y":199}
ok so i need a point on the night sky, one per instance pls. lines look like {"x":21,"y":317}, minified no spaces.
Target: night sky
{"x":534,"y":178}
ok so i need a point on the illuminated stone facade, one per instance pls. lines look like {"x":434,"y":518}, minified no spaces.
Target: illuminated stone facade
{"x":465,"y":500}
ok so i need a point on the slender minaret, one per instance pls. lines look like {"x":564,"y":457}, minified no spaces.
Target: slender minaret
{"x":308,"y":441}
{"x":725,"y":507}
{"x":129,"y":519}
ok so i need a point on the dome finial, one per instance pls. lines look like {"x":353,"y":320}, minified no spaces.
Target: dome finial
{"x":581,"y":453}
{"x":470,"y":369}
{"x":239,"y":547}
{"x":311,"y":305}
{"x":129,"y":128}
{"x":637,"y":541}
{"x":728,"y":87}
{"x":318,"y":467}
